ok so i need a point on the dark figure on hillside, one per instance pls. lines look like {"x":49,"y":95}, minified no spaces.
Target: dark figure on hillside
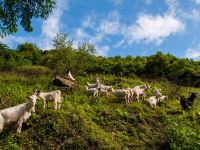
{"x":186,"y":102}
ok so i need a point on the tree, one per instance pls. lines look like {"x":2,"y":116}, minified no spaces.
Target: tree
{"x":13,"y":12}
{"x":9,"y":58}
{"x":87,"y":47}
{"x":157,"y":65}
{"x":29,"y":51}
{"x":5,"y":52}
{"x":62,"y":40}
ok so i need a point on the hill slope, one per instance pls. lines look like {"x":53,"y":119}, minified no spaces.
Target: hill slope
{"x":102,"y":123}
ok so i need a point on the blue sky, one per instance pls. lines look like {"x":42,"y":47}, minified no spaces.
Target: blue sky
{"x":121,"y":27}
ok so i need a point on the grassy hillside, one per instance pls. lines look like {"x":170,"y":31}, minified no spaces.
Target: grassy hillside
{"x":102,"y":123}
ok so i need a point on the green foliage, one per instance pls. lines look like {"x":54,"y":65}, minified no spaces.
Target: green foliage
{"x":184,"y":131}
{"x":9,"y":59}
{"x":22,"y":11}
{"x":86,"y":48}
{"x":62,"y":40}
{"x":29,"y":70}
{"x":102,"y":123}
{"x":30,"y":52}
{"x":83,"y":61}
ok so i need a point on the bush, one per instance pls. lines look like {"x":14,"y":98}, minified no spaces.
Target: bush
{"x":29,"y":70}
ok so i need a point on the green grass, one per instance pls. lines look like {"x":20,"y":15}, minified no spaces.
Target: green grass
{"x":102,"y":123}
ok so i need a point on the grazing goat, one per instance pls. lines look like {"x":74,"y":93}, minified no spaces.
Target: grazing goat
{"x":186,"y":102}
{"x":140,"y":86}
{"x":124,"y":93}
{"x":157,"y":92}
{"x":92,"y":91}
{"x":153,"y":100}
{"x":103,"y":92}
{"x":93,"y":85}
{"x":54,"y":96}
{"x":162,"y":98}
{"x":104,"y":87}
{"x":17,"y":114}
{"x":137,"y":91}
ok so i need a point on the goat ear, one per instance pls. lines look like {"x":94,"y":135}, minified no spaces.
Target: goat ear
{"x":37,"y":91}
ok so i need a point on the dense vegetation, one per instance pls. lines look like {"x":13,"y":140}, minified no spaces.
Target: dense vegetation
{"x":83,"y":60}
{"x":105,"y":122}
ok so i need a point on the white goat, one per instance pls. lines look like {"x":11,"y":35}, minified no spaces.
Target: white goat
{"x":124,"y":93}
{"x":92,"y":85}
{"x":157,"y":92}
{"x":17,"y":114}
{"x":54,"y":96}
{"x":103,"y":92}
{"x":153,"y":101}
{"x":104,"y":87}
{"x":92,"y":91}
{"x":140,"y":86}
{"x":140,"y":90}
{"x":162,"y":98}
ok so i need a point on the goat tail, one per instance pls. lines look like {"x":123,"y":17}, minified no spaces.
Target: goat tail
{"x":1,"y":122}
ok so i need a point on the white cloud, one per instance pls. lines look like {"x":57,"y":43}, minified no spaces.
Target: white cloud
{"x":147,"y":28}
{"x":193,"y":53}
{"x":189,"y":13}
{"x":197,"y":1}
{"x":148,"y":1}
{"x":152,"y":28}
{"x":103,"y":51}
{"x":52,"y":25}
{"x":110,"y":27}
{"x":11,"y":40}
{"x":8,"y":40}
{"x":101,"y":28}
{"x":81,"y":34}
{"x":111,"y":24}
{"x":193,"y":15}
{"x":173,"y":5}
{"x":88,"y":22}
{"x":119,"y":44}
{"x":98,"y":37}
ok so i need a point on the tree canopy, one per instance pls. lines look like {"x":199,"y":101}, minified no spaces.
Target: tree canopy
{"x":13,"y":12}
{"x":82,"y":60}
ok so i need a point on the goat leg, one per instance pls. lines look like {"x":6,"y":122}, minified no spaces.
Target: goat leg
{"x":19,"y":123}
